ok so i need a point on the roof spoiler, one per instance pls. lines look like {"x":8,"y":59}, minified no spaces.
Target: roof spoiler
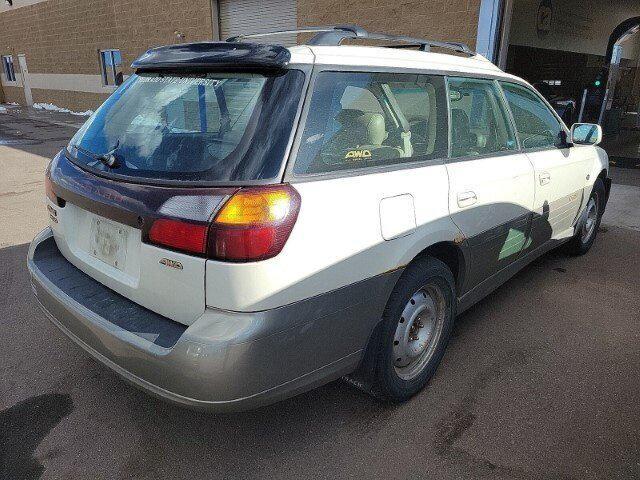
{"x":214,"y":54}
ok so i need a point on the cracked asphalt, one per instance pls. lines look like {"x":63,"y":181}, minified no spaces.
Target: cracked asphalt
{"x":541,"y":380}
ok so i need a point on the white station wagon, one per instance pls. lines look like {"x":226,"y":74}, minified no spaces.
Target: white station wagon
{"x":241,"y":222}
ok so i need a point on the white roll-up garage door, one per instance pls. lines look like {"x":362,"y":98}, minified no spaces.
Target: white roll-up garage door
{"x":239,"y":17}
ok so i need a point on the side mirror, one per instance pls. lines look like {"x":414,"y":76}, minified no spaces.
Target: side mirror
{"x":586,"y":134}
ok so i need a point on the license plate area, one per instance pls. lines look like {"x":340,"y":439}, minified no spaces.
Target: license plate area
{"x":108,"y":242}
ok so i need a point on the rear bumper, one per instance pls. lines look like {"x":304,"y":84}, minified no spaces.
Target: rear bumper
{"x":225,"y":361}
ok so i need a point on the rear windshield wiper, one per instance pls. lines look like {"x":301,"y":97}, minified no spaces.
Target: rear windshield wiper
{"x":108,"y":159}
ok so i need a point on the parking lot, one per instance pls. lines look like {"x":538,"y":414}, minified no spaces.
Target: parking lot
{"x":541,"y":379}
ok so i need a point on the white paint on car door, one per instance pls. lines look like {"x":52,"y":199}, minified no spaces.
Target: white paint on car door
{"x":490,"y":200}
{"x":560,"y":169}
{"x":560,"y":179}
{"x":491,"y":182}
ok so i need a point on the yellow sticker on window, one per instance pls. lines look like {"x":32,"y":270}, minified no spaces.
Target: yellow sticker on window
{"x":358,"y":154}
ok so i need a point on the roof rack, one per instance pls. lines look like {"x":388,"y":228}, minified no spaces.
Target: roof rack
{"x":333,"y":35}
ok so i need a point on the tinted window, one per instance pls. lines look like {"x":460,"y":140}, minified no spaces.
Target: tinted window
{"x":360,"y":120}
{"x":111,"y":67}
{"x":479,"y":123}
{"x":7,"y":65}
{"x":211,"y":127}
{"x":537,"y":126}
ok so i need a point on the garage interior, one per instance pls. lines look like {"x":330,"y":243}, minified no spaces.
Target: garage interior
{"x":584,"y":60}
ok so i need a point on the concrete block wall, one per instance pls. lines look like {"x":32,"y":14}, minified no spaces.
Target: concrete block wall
{"x":452,"y":20}
{"x":63,"y":37}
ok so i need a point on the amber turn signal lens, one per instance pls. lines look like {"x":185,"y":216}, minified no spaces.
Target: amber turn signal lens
{"x":256,"y":207}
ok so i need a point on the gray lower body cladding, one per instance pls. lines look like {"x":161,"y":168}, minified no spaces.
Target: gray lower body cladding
{"x":224,"y":361}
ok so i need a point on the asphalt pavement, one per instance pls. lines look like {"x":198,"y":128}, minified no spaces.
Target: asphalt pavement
{"x":541,"y":379}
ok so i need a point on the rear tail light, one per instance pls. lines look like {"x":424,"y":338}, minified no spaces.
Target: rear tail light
{"x":48,"y":185}
{"x":51,"y":194}
{"x":190,"y":237}
{"x":253,"y":224}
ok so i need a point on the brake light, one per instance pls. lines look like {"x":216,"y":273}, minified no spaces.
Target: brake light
{"x":181,"y":235}
{"x":254,"y":224}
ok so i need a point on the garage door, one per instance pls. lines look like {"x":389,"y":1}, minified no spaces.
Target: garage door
{"x":257,"y":16}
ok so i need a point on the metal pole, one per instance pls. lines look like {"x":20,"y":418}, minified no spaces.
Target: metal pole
{"x":505,"y":26}
{"x":584,"y":100}
{"x":604,"y":106}
{"x":489,"y":28}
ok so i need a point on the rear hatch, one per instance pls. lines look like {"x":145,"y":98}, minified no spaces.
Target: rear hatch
{"x":102,"y":227}
{"x":132,"y":196}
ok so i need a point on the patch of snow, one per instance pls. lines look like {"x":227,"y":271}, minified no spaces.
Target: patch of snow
{"x":13,"y":104}
{"x":2,"y":109}
{"x":50,"y":107}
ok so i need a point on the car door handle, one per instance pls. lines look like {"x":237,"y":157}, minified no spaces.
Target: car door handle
{"x":467,"y":198}
{"x":545,"y":177}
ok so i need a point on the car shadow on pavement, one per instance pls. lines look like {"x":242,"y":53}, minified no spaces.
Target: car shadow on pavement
{"x":22,"y":427}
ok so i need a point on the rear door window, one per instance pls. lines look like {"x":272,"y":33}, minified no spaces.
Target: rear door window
{"x":537,"y":126}
{"x":360,"y":120}
{"x":210,"y":127}
{"x":479,"y":122}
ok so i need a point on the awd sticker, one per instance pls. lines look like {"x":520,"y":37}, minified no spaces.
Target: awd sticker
{"x":171,"y":263}
{"x":358,"y":154}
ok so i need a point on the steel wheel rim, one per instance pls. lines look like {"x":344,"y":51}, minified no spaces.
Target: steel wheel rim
{"x":418,"y":331}
{"x":591,"y":217}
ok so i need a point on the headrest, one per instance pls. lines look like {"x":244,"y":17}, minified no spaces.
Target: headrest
{"x":374,"y":126}
{"x":348,"y":116}
{"x":365,"y":128}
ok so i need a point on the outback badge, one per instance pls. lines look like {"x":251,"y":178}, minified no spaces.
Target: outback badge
{"x":167,"y":262}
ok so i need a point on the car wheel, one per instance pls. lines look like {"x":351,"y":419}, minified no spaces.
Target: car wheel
{"x":589,"y":223}
{"x":415,"y":330}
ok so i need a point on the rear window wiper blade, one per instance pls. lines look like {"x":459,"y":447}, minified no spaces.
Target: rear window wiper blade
{"x":109,"y":159}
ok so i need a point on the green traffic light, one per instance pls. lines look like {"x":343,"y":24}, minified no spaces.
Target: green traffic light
{"x":597,"y":83}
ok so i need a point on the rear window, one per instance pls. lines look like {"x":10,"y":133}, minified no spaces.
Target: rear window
{"x":209,"y":127}
{"x":360,"y":120}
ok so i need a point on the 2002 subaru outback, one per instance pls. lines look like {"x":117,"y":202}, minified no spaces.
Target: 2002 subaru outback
{"x":239,"y":223}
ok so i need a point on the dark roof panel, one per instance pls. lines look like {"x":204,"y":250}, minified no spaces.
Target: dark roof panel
{"x":214,"y":55}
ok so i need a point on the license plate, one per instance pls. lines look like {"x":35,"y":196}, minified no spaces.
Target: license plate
{"x":109,"y":242}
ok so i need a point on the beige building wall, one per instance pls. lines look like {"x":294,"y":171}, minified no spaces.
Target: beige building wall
{"x":64,"y":36}
{"x":61,"y":38}
{"x":453,"y":20}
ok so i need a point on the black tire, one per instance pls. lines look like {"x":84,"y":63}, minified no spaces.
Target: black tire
{"x":424,"y":275}
{"x":581,"y":242}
